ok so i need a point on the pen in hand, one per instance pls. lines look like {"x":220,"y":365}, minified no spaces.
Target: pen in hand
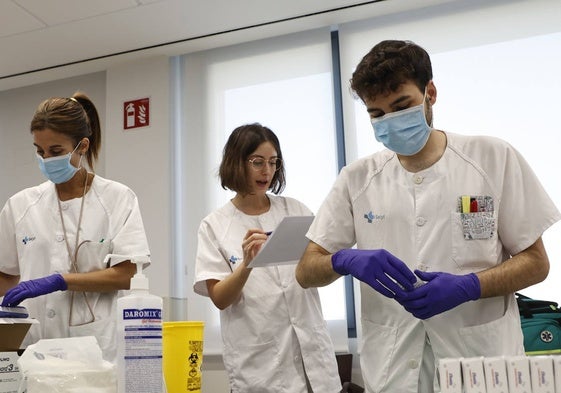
{"x":269,"y":233}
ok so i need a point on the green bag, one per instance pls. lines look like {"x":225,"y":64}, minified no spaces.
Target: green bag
{"x":541,"y":325}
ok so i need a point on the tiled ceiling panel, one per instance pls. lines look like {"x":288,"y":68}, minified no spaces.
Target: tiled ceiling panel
{"x":15,"y":20}
{"x":55,"y":12}
{"x":61,"y":38}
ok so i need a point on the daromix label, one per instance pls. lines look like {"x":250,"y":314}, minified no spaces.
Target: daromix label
{"x":145,"y":313}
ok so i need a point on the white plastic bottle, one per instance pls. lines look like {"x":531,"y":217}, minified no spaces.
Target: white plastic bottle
{"x":139,"y":336}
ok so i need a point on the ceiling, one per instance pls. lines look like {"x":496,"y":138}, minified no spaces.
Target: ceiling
{"x":42,"y":40}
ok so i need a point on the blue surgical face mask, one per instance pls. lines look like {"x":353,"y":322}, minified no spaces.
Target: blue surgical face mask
{"x":405,"y":132}
{"x":58,"y":169}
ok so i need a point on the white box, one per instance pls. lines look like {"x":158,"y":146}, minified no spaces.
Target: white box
{"x":518,"y":372}
{"x":474,"y":377}
{"x":495,"y":374}
{"x":541,"y":374}
{"x":450,"y":373}
{"x":12,"y":332}
{"x":10,"y":376}
{"x":557,"y":372}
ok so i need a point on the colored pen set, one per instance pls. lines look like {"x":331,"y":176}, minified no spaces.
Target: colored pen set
{"x":475,"y":204}
{"x":469,"y":204}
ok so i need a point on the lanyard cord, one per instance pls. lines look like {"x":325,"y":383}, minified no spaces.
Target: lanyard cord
{"x":74,"y":257}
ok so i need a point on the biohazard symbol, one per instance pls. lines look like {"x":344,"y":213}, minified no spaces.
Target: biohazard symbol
{"x":193,"y":359}
{"x":546,"y":336}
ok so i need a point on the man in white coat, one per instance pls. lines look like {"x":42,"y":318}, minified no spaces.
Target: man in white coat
{"x":440,"y":244}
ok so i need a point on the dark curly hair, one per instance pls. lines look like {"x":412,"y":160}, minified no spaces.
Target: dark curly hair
{"x":388,"y":65}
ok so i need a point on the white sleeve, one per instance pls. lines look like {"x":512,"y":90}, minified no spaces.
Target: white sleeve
{"x":297,"y":208}
{"x":209,"y":263}
{"x":130,"y":238}
{"x":8,"y":249}
{"x":333,"y":226}
{"x":526,"y":210}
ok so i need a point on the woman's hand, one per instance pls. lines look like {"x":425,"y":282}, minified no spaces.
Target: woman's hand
{"x":228,"y":291}
{"x":252,"y":243}
{"x":33,"y":288}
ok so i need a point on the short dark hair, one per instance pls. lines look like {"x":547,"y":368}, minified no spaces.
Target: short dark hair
{"x":243,"y":141}
{"x":388,"y":65}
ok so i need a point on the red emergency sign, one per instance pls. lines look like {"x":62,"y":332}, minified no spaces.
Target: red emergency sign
{"x":136,"y":113}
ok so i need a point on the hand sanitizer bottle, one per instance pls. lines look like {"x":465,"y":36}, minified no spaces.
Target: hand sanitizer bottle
{"x":139,"y":335}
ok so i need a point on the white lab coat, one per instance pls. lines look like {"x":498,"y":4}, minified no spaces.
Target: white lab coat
{"x":277,"y":327}
{"x":32,"y":245}
{"x":376,"y":203}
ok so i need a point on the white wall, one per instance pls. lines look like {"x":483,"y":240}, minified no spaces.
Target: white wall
{"x":140,"y":157}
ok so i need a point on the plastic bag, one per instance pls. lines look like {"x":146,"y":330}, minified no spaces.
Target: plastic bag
{"x":66,"y":365}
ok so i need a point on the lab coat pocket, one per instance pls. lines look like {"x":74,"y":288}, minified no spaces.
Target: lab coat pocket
{"x":475,"y":244}
{"x":502,"y":336}
{"x":378,"y":354}
{"x":319,"y":360}
{"x":254,"y":368}
{"x":91,"y":255}
{"x":104,"y":330}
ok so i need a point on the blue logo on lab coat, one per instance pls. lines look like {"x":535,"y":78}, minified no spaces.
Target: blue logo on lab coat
{"x":371,"y":217}
{"x":28,"y":239}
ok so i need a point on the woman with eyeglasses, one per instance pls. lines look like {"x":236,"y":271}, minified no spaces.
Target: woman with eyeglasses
{"x":54,"y":237}
{"x":275,"y":338}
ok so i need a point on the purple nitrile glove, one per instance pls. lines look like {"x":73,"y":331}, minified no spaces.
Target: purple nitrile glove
{"x":34,"y":288}
{"x":441,"y":292}
{"x":380,"y":269}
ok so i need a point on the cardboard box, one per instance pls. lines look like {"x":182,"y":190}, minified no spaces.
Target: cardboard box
{"x":12,"y":333}
{"x":10,"y":376}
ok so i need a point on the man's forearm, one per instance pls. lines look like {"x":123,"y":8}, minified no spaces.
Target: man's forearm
{"x":527,"y":268}
{"x":314,"y":268}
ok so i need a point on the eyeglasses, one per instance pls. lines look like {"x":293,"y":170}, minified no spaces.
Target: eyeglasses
{"x":258,"y":163}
